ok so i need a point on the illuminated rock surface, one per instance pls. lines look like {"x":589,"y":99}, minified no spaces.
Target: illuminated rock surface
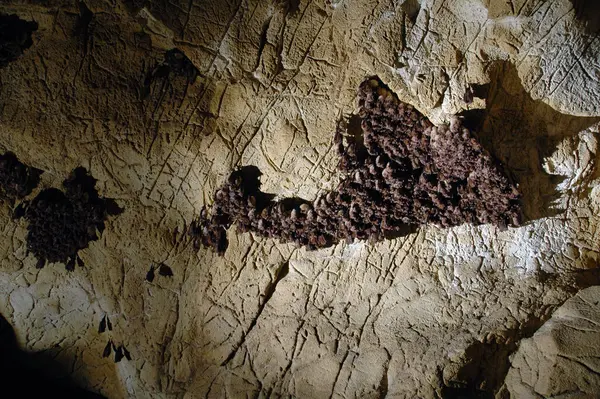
{"x":264,"y":83}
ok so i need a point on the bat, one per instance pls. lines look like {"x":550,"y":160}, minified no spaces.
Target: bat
{"x":118,"y":354}
{"x":126,"y":353}
{"x":20,"y":210}
{"x":102,"y":326}
{"x":150,"y":274}
{"x":165,"y":270}
{"x":107,"y":349}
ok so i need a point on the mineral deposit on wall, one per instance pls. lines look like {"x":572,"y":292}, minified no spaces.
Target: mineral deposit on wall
{"x":160,"y":101}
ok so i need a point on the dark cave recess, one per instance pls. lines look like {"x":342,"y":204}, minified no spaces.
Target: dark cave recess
{"x":15,"y":37}
{"x":33,"y":375}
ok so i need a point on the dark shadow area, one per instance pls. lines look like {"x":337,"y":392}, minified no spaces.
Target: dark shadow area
{"x":15,"y":37}
{"x":586,"y":278}
{"x":574,"y":281}
{"x":487,"y":364}
{"x":480,"y":90}
{"x":411,"y":9}
{"x":521,"y":132}
{"x":289,"y":6}
{"x":179,"y":64}
{"x":473,"y":118}
{"x":166,"y":75}
{"x":483,"y":373}
{"x":84,"y":28}
{"x":33,"y":375}
{"x":83,"y":22}
{"x":63,"y":222}
{"x":163,"y":92}
{"x":588,"y":11}
{"x":475,"y":91}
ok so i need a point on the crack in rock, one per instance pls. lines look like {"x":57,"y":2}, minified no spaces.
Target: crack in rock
{"x":283,"y":271}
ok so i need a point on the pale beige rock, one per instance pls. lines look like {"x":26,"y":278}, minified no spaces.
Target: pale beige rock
{"x":413,"y":317}
{"x":562,"y":359}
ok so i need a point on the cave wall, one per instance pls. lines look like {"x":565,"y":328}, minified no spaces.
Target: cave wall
{"x":415,"y":316}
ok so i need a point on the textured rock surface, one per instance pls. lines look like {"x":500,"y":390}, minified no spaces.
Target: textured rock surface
{"x":16,"y":179}
{"x":562,"y":359}
{"x":436,"y":312}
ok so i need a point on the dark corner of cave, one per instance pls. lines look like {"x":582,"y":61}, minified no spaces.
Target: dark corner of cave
{"x":15,"y":37}
{"x":398,"y":172}
{"x":33,"y":374}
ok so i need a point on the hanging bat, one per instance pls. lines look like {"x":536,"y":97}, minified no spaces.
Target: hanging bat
{"x":126,"y":353}
{"x":150,"y":274}
{"x":165,"y":270}
{"x":118,"y":354}
{"x":107,"y":349}
{"x":102,"y":326}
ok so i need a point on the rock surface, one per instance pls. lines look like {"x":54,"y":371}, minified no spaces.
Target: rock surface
{"x":437,"y":312}
{"x":562,"y":359}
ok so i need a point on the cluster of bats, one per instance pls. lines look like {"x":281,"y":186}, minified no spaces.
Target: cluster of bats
{"x":399,"y":172}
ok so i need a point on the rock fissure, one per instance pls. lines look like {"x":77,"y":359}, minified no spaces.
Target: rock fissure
{"x":279,"y":275}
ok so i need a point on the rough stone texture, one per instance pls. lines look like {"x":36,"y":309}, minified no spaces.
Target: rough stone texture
{"x":421,"y":315}
{"x":562,"y":359}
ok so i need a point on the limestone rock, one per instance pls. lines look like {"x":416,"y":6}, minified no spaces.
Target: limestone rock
{"x":562,"y":359}
{"x":263,"y":83}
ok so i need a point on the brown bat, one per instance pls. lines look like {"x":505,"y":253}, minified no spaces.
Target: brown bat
{"x":102,"y":326}
{"x":150,"y":274}
{"x":107,"y":349}
{"x":165,"y":270}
